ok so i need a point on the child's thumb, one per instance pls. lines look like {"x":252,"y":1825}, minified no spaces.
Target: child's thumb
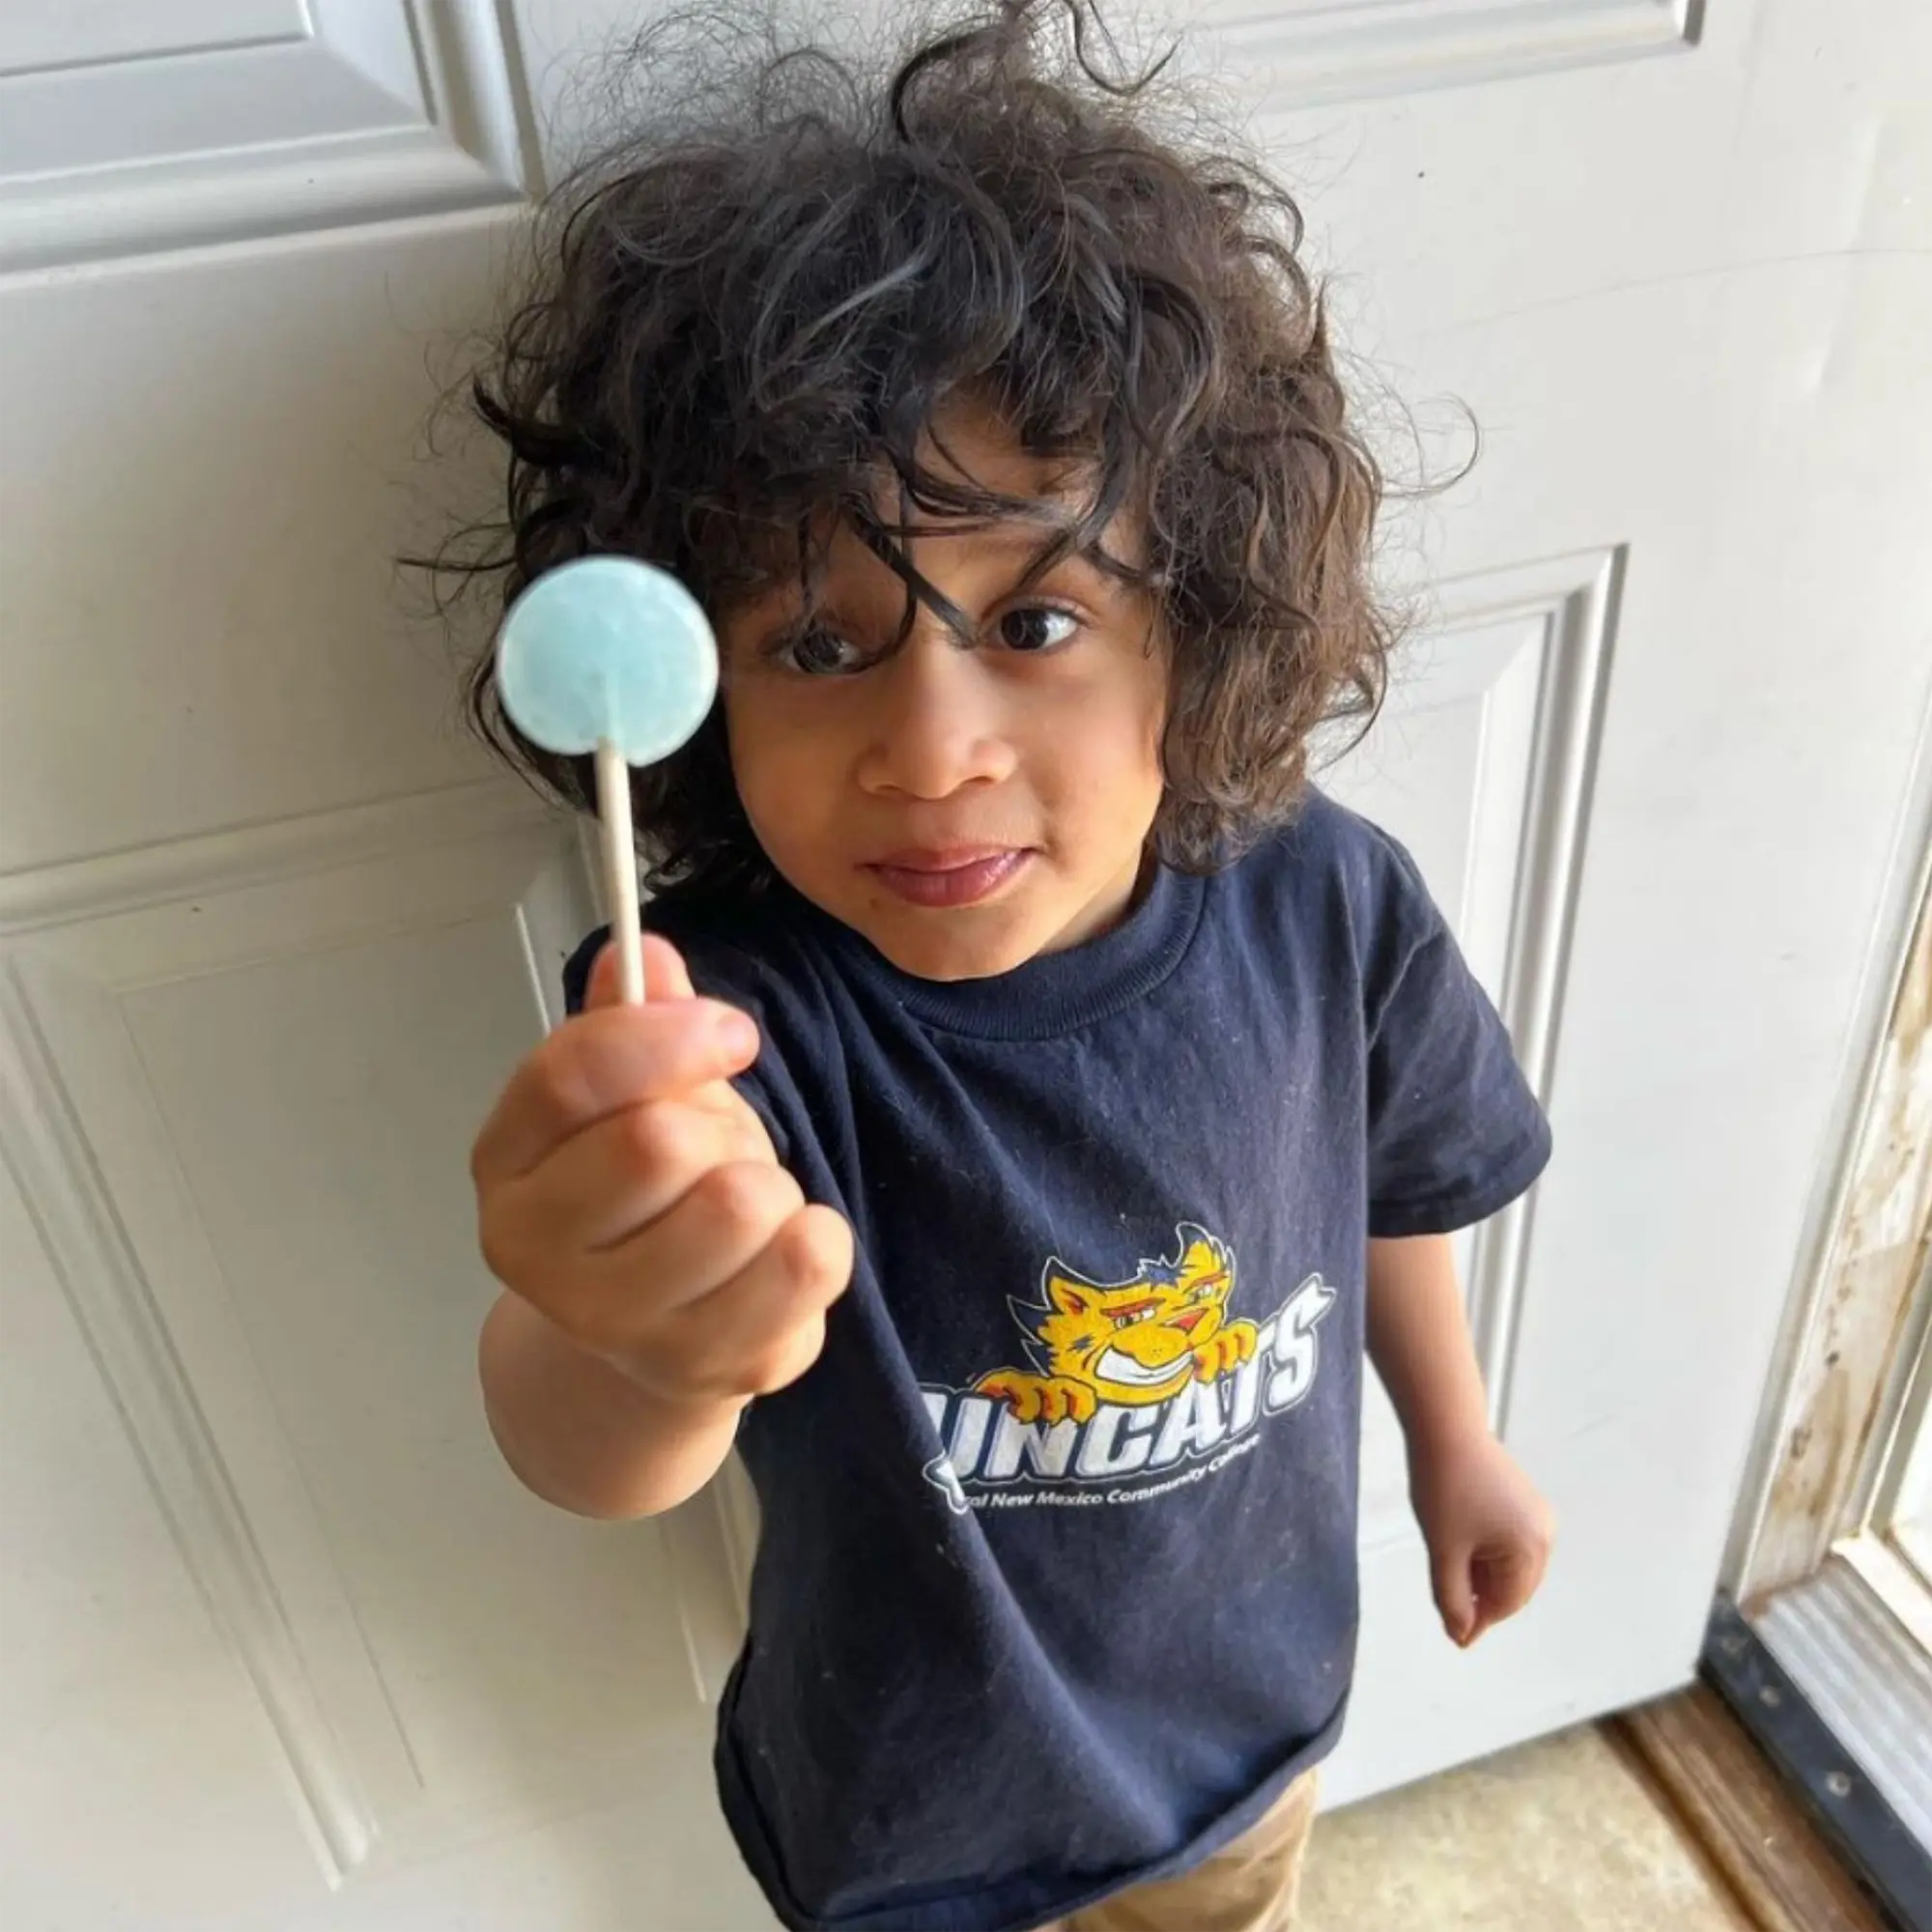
{"x":1456,"y":1595}
{"x":665,"y":975}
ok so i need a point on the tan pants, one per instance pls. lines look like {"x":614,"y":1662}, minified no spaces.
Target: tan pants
{"x":1246,"y":1887}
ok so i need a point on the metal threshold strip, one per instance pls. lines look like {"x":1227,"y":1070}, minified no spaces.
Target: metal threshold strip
{"x":1839,"y":1698}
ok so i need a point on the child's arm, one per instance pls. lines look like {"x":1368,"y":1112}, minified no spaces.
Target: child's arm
{"x":663,"y":1268}
{"x":1489,"y":1531}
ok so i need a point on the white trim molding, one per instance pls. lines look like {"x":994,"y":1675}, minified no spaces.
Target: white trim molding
{"x":1573,"y":599}
{"x":1313,"y":53}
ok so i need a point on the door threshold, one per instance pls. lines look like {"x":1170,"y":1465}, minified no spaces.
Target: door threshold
{"x":1808,"y":1683}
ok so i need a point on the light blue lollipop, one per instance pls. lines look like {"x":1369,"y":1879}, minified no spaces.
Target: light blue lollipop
{"x":608,"y":647}
{"x":613,"y":657}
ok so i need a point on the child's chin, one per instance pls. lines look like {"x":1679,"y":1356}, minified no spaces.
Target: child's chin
{"x":951,"y":947}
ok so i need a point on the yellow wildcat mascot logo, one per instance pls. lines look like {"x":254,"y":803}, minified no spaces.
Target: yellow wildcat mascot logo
{"x":1133,"y":1342}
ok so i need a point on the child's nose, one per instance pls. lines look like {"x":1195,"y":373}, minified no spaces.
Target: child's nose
{"x":941,"y":721}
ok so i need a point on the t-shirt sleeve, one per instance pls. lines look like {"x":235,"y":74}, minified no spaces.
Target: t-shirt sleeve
{"x":712,"y":978}
{"x":1454,"y":1131}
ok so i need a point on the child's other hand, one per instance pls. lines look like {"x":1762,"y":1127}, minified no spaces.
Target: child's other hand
{"x":627,"y":1192}
{"x":1489,"y":1533}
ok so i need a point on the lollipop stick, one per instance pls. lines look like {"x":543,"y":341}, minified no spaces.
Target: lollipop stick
{"x":621,"y":870}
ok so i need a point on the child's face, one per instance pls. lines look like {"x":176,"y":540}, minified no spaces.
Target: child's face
{"x":964,"y":808}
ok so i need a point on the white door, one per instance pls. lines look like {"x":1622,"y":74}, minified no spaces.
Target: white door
{"x":285,"y":1646}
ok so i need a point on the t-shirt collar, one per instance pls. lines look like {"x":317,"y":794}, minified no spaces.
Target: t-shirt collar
{"x":1054,"y":993}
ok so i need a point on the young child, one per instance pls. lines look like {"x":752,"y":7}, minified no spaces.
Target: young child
{"x":1071,"y":1095}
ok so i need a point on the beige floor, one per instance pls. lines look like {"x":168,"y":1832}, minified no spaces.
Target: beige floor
{"x":1561,"y":1836}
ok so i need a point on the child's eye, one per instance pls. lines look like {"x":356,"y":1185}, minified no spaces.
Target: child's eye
{"x":820,"y":653}
{"x":1036,"y":627}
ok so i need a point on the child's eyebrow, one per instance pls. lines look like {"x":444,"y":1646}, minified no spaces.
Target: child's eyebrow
{"x":1092,"y":559}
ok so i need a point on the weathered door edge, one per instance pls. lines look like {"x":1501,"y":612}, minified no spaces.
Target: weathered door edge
{"x":1834,"y":1385}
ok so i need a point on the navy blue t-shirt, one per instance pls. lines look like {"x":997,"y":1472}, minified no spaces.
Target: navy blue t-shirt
{"x":1056,"y":1587}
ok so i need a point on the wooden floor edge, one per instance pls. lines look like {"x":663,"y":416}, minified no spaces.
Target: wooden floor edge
{"x":1737,"y":1810}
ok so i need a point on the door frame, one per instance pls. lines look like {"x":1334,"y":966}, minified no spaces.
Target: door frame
{"x":1841,"y":1605}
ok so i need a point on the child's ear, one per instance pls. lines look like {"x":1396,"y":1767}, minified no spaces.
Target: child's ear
{"x":1069,"y":1296}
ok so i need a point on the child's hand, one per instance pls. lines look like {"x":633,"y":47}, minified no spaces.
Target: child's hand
{"x":626,"y":1191}
{"x":1489,"y":1533}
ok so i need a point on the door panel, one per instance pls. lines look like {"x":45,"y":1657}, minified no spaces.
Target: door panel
{"x":132,"y":126}
{"x":293,"y":1651}
{"x":239,"y":1110}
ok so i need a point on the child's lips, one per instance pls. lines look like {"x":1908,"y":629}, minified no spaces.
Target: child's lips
{"x":952,"y":876}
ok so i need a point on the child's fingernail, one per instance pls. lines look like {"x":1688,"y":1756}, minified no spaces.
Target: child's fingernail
{"x":737,"y":1036}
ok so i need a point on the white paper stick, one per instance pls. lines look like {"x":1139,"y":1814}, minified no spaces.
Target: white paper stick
{"x":621,"y":870}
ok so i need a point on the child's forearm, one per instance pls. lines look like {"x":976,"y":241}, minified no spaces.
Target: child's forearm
{"x":582,"y":1435}
{"x":1419,"y":1342}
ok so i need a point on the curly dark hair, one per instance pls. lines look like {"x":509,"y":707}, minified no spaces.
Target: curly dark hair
{"x":745,"y":318}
